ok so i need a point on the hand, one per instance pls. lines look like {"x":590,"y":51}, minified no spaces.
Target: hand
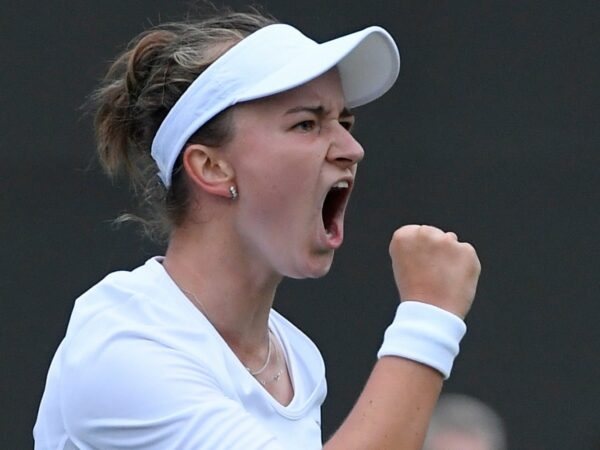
{"x":434,"y":267}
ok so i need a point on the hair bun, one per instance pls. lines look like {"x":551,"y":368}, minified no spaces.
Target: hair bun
{"x":144,"y":58}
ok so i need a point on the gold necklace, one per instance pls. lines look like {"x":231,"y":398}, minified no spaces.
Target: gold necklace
{"x":254,"y":373}
{"x":267,"y":361}
{"x":274,"y":378}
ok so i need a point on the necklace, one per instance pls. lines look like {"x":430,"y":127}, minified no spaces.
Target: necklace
{"x":267,"y":361}
{"x":273,"y":378}
{"x":254,"y":373}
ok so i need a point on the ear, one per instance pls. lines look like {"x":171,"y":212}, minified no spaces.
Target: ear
{"x":206,"y":167}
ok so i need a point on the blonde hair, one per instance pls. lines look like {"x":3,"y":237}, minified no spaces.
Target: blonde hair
{"x":140,"y":88}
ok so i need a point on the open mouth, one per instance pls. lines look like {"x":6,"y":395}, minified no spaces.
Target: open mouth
{"x":333,"y":207}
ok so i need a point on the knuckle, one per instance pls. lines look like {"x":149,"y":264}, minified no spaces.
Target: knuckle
{"x":471,"y":255}
{"x":404,"y":232}
{"x":426,"y":230}
{"x":471,"y":250}
{"x":452,"y":236}
{"x":433,"y":230}
{"x":433,"y":234}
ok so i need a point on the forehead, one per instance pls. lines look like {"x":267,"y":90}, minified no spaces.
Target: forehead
{"x":325,"y":90}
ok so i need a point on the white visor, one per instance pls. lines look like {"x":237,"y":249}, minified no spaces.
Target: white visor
{"x":271,"y":60}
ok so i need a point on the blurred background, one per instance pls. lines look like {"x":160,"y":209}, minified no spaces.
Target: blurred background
{"x":491,"y":131}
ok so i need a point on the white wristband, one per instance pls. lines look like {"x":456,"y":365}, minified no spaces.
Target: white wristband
{"x":424,"y":333}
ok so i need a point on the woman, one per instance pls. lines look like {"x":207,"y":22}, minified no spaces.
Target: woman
{"x":248,"y":123}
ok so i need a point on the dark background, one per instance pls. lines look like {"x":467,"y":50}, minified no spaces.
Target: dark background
{"x":491,"y":131}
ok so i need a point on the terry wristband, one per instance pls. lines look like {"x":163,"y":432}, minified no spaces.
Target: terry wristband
{"x":424,"y":333}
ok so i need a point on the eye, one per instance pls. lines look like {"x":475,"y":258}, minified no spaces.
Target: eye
{"x":306,"y":125}
{"x":348,"y":124}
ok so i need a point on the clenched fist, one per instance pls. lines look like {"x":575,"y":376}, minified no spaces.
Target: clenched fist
{"x":433,"y":267}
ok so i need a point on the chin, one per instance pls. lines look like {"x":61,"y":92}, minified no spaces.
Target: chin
{"x":315,"y":267}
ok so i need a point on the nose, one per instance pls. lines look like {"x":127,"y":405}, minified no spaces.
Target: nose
{"x":344,"y":150}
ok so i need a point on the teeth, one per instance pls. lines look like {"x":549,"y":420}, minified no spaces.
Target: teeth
{"x":340,"y":185}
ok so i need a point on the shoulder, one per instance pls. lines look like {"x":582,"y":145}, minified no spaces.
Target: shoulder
{"x":137,"y":311}
{"x":141,"y":297}
{"x":133,"y":334}
{"x":119,"y":287}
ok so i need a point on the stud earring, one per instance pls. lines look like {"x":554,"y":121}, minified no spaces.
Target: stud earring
{"x":233,"y":191}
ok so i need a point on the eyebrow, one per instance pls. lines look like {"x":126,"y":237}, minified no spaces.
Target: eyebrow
{"x":318,"y":111}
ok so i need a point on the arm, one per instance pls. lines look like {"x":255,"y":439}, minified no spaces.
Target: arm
{"x":393,"y":410}
{"x":396,"y":404}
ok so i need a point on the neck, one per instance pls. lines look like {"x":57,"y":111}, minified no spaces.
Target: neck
{"x":235,"y":295}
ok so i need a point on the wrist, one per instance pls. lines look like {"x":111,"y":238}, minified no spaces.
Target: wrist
{"x":424,"y":333}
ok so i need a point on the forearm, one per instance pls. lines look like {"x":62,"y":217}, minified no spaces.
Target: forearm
{"x":420,"y":345}
{"x":393,"y":410}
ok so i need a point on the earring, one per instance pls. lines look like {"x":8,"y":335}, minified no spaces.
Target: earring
{"x":233,"y":191}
